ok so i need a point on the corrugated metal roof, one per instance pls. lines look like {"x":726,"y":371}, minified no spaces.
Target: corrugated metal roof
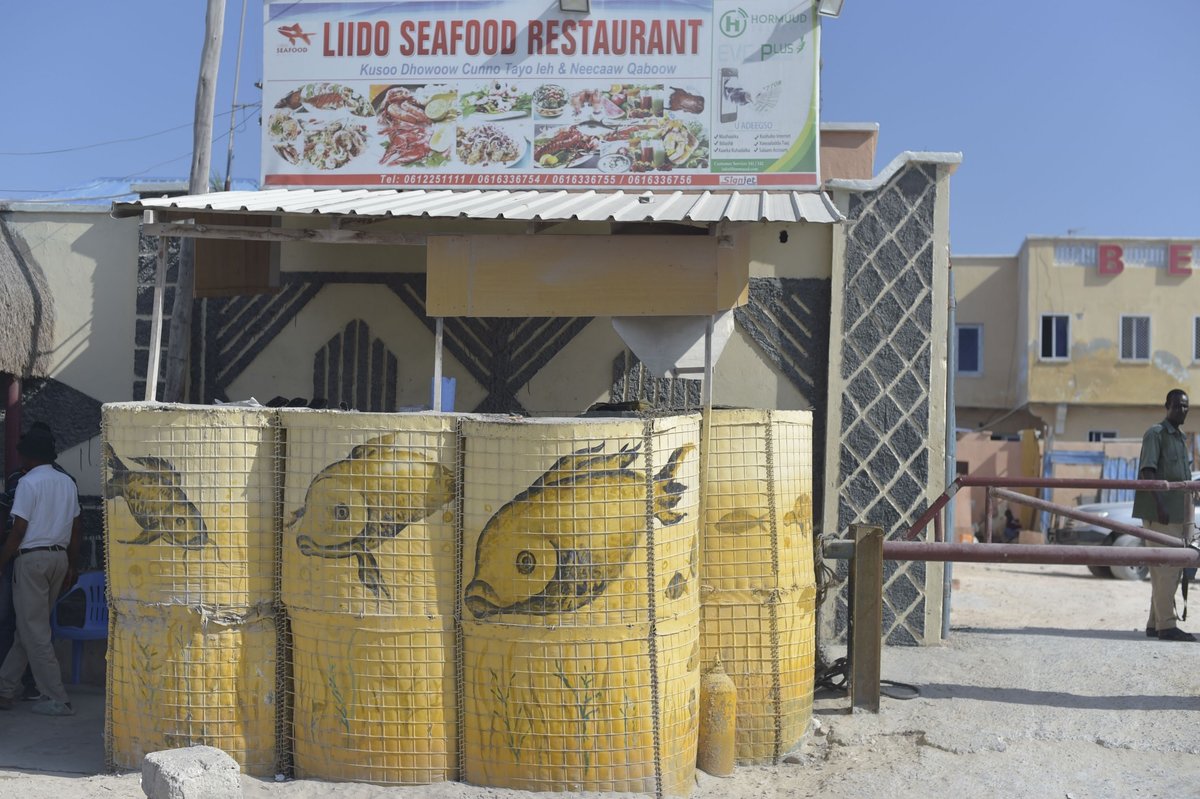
{"x":617,"y":206}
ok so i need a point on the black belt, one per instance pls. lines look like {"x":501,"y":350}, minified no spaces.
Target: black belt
{"x":54,"y":548}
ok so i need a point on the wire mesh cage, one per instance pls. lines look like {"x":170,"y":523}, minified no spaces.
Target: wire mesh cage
{"x":368,"y":527}
{"x":179,"y":676}
{"x":580,"y":649}
{"x":368,"y":579}
{"x":757,"y":586}
{"x":374,"y":698}
{"x":189,"y":504}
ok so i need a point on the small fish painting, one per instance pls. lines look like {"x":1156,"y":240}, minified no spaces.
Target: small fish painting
{"x":353,"y":505}
{"x":156,"y":500}
{"x":556,"y":546}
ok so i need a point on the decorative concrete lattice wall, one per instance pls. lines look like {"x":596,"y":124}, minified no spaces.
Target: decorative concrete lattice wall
{"x":886,"y":430}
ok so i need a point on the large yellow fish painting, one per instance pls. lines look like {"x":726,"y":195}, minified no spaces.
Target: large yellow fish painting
{"x":156,"y":501}
{"x":353,"y":505}
{"x":556,"y":546}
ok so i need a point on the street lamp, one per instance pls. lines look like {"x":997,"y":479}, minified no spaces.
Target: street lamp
{"x":829,"y":8}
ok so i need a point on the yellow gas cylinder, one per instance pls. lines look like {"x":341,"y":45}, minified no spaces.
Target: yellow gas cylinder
{"x":715,"y":749}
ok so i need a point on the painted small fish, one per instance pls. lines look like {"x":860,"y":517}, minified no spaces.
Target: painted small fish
{"x":156,"y":500}
{"x":557,"y":545}
{"x":356,"y":504}
{"x":801,"y":513}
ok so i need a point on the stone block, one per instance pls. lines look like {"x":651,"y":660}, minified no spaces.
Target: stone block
{"x":195,"y":772}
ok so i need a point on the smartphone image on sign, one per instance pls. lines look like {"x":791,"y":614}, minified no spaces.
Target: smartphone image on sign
{"x":729,"y":109}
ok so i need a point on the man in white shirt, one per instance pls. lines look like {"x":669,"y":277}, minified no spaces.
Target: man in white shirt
{"x":45,"y":542}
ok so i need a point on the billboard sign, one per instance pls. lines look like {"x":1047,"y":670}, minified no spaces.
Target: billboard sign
{"x":679,"y":94}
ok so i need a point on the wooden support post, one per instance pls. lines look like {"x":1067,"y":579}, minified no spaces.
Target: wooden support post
{"x":438,"y":338}
{"x":156,"y":320}
{"x":866,"y":617}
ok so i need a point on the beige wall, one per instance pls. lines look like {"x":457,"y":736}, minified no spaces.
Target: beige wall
{"x":90,"y":263}
{"x":1126,"y":421}
{"x":983,"y":458}
{"x":575,"y":378}
{"x":1008,"y":295}
{"x":1095,"y":303}
{"x":985,"y":289}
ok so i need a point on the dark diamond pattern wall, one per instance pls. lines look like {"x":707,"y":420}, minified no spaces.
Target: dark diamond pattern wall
{"x":887,"y":344}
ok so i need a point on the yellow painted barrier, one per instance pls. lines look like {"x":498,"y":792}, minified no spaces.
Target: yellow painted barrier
{"x":181,"y":677}
{"x":368,"y":515}
{"x":189,"y":504}
{"x":757,"y":580}
{"x":767,"y":645}
{"x":374,"y":698}
{"x":580,"y":655}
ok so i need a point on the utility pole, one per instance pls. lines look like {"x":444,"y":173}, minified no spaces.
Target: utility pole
{"x":179,"y":343}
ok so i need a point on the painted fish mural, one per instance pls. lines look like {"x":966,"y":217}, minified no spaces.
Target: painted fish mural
{"x":156,"y":500}
{"x":538,"y":554}
{"x":354,"y":505}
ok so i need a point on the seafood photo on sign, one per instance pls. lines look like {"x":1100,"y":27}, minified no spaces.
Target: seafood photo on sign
{"x":549,"y":100}
{"x":557,"y":545}
{"x":497,"y":100}
{"x":490,"y":145}
{"x":320,"y":125}
{"x":417,"y":123}
{"x":353,"y":506}
{"x":618,"y":101}
{"x":156,"y":500}
{"x":660,"y":145}
{"x":556,"y":147}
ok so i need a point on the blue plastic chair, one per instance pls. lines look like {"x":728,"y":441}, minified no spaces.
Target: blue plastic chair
{"x":95,"y":618}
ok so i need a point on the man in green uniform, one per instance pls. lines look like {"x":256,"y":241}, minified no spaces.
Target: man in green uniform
{"x":1165,"y":456}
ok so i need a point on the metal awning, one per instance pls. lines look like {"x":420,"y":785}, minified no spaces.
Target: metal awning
{"x":545,"y":206}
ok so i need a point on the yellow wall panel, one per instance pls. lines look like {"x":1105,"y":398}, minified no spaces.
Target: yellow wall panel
{"x":181,"y":677}
{"x":373,"y":698}
{"x":563,"y":275}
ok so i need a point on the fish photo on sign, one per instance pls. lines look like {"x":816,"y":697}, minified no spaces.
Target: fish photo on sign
{"x":320,"y":125}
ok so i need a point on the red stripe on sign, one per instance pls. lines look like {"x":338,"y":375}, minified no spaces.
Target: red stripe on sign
{"x":535,"y":180}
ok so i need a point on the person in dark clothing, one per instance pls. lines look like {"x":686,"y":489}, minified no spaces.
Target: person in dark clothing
{"x":1165,"y":456}
{"x":1012,"y":527}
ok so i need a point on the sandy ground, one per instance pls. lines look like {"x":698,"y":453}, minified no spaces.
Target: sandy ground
{"x":1046,"y":688}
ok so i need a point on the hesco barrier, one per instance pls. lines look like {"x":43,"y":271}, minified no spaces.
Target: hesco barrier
{"x":758,"y":594}
{"x":374,"y":698}
{"x":179,"y":676}
{"x":580,"y":658}
{"x":518,"y":603}
{"x":369,"y":565}
{"x":189,"y":515}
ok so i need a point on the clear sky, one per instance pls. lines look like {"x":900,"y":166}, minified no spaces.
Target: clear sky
{"x":1071,"y":115}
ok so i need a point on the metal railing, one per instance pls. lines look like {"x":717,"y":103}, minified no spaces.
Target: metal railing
{"x":866,"y":550}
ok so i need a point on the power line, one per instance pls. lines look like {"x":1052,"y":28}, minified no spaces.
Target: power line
{"x":121,"y":141}
{"x":247,"y":109}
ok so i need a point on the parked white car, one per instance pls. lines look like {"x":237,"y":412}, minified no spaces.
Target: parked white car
{"x":1072,"y":531}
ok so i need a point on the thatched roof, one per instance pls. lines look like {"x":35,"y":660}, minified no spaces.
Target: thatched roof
{"x":26,"y":309}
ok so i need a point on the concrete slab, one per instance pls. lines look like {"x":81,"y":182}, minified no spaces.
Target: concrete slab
{"x":55,"y":744}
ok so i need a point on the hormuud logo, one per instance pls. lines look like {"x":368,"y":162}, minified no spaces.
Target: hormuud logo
{"x":293,"y":33}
